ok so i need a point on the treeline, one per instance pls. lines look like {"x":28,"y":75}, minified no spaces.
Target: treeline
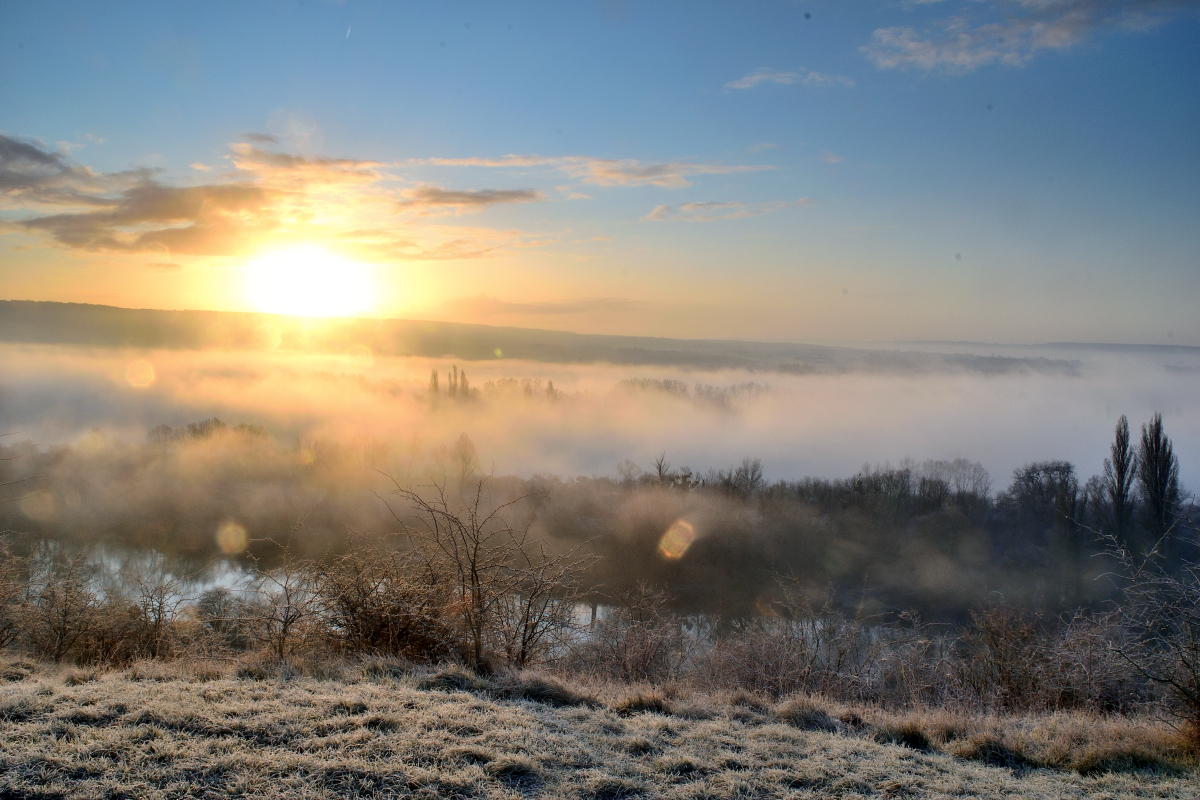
{"x":930,"y":536}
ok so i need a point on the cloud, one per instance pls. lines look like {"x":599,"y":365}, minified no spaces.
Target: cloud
{"x":713,"y":211}
{"x":270,"y":196}
{"x":502,"y":161}
{"x":200,"y":167}
{"x":825,"y":79}
{"x":1011,"y":32}
{"x":764,"y":75}
{"x":280,"y":166}
{"x":605,"y":171}
{"x":628,"y":172}
{"x":196,"y":220}
{"x":482,"y":305}
{"x":761,"y":146}
{"x":807,"y":77}
{"x":829,"y":157}
{"x":31,"y":175}
{"x":434,"y":197}
{"x":261,"y":138}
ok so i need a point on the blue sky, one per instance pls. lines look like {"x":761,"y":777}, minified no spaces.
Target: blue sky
{"x":1018,"y":171}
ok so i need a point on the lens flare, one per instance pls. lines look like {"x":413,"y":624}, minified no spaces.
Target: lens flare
{"x":268,"y":336}
{"x":231,"y":538}
{"x":38,"y":506}
{"x":140,"y":374}
{"x":676,"y":541}
{"x":360,"y":356}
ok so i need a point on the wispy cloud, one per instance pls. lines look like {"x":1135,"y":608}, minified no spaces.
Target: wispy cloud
{"x":807,"y":77}
{"x":437,"y":198}
{"x":763,"y":75}
{"x":606,"y":171}
{"x":628,"y":172}
{"x":825,"y":79}
{"x":830,"y":157}
{"x":1011,"y":32}
{"x":714,"y":211}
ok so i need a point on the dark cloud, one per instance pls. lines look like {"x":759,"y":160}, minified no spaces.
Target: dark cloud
{"x":261,"y":138}
{"x":434,"y":197}
{"x":32,"y":175}
{"x":197,"y":220}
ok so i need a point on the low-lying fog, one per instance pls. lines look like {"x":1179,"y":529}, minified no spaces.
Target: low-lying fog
{"x":598,"y":416}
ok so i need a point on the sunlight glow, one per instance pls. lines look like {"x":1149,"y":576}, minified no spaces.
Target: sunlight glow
{"x":308,"y":281}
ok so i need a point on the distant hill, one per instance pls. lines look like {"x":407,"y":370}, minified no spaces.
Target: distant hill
{"x":107,"y":326}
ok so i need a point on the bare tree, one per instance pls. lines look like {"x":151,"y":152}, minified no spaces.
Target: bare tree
{"x":1161,"y":608}
{"x":504,"y":586}
{"x":156,"y":597}
{"x":62,"y":607}
{"x":286,"y":601}
{"x":377,"y":600}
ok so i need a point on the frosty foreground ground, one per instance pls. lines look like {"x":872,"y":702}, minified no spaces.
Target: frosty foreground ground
{"x":113,"y":735}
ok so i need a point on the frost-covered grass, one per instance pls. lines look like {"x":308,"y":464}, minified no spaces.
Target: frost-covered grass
{"x":374,"y":730}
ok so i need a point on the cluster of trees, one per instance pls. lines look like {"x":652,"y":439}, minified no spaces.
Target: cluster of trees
{"x":458,"y":387}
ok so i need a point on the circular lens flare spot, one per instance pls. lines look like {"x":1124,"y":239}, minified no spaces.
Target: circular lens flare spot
{"x":231,"y":538}
{"x":676,"y":541}
{"x":38,"y":506}
{"x":140,"y":374}
{"x":360,"y":356}
{"x":268,"y":336}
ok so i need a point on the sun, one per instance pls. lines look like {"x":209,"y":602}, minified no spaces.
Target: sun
{"x":306,"y":280}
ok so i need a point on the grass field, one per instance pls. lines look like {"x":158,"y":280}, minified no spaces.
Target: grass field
{"x":151,"y":732}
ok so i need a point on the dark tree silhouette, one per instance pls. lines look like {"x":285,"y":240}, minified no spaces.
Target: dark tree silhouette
{"x":1119,"y":473}
{"x":1158,"y":477}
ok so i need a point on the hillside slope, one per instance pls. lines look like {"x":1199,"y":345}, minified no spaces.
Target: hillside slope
{"x":129,"y":734}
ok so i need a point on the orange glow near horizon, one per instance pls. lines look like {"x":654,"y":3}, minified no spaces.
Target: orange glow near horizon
{"x":309,"y":281}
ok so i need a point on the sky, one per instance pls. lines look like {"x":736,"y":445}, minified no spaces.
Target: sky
{"x":1014,"y":171}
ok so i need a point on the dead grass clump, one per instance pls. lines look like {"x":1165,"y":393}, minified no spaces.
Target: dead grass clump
{"x":807,"y":714}
{"x":908,"y":733}
{"x":992,"y":750}
{"x":78,"y":677}
{"x":751,"y":701}
{"x":17,"y":670}
{"x":542,"y":688}
{"x":515,"y":769}
{"x":380,"y":668}
{"x":608,"y":787}
{"x":471,"y":755}
{"x":647,"y":701}
{"x":453,"y":679}
{"x":257,"y":668}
